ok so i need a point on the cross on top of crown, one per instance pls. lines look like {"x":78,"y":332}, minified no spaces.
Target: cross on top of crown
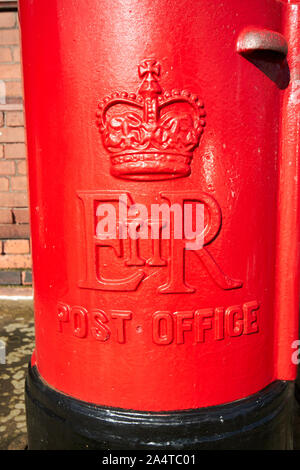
{"x":149,"y":69}
{"x":149,"y":66}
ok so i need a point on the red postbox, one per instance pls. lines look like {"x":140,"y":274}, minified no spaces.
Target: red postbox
{"x":144,"y":341}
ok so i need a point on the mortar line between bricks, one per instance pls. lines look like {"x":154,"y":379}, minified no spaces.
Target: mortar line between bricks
{"x":16,"y":297}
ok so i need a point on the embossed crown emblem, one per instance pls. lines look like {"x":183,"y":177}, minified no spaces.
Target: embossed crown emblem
{"x":151,"y":135}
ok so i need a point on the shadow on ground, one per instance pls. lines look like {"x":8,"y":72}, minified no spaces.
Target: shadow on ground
{"x":17,"y":333}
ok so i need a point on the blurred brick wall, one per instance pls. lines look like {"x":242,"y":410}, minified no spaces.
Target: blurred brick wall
{"x":15,"y":259}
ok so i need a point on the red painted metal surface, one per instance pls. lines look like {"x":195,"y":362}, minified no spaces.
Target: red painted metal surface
{"x":287,"y":292}
{"x":161,"y":103}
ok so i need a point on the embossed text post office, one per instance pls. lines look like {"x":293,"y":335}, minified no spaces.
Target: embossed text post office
{"x":145,"y":119}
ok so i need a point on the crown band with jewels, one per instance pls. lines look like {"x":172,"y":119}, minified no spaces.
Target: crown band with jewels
{"x":154,"y":139}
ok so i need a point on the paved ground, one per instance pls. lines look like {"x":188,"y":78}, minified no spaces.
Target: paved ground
{"x":17,"y":333}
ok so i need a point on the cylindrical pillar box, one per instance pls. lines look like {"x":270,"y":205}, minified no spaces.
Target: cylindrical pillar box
{"x":155,"y":169}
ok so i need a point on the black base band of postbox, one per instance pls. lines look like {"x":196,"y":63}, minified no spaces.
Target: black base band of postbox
{"x":57,"y":421}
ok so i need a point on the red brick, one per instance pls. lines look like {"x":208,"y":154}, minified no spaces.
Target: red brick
{"x":4,"y":184}
{"x":1,"y":151}
{"x":5,"y":54}
{"x":15,"y":261}
{"x":16,"y":54}
{"x":12,"y":134}
{"x":6,"y":216}
{"x":18,"y":183}
{"x":1,"y":119}
{"x":9,"y":36}
{"x":14,"y":119}
{"x":22,"y":168}
{"x":14,"y":88}
{"x":7,"y":168}
{"x":10,"y":278}
{"x":14,"y":231}
{"x":13,"y":199}
{"x":7,"y":20}
{"x":15,"y":151}
{"x":21,"y":216}
{"x":16,"y":247}
{"x":10,"y":71}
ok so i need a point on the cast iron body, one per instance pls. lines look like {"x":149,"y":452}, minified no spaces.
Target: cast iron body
{"x":162,"y":102}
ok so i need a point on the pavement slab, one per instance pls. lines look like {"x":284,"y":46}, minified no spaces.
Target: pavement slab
{"x":17,"y":336}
